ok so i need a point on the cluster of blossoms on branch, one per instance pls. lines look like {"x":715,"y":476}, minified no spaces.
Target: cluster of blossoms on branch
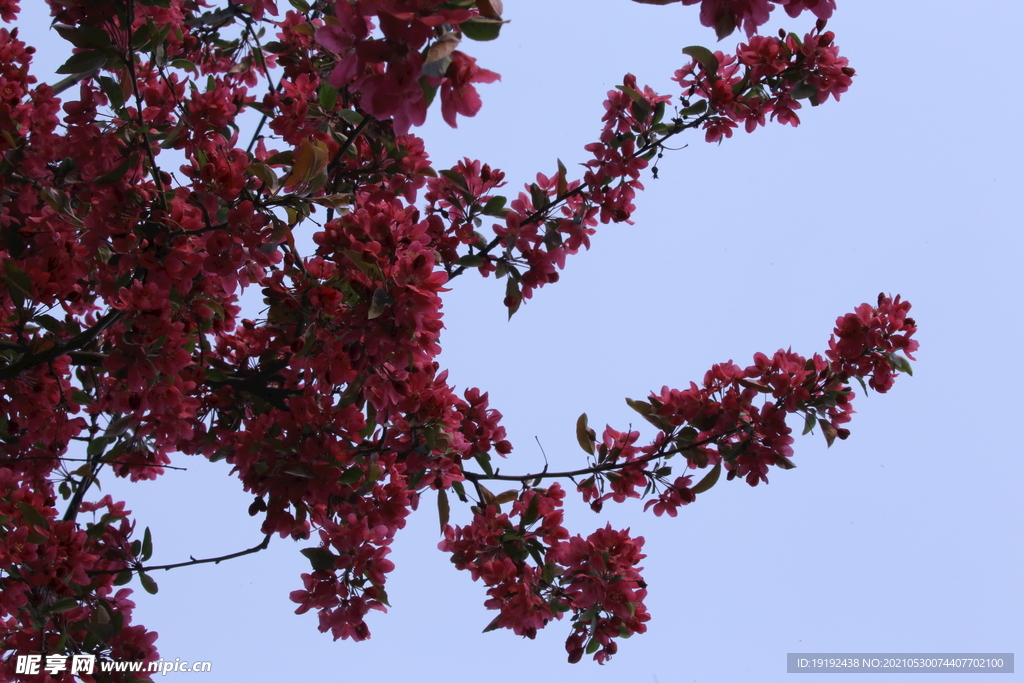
{"x":778,"y":72}
{"x":121,"y":338}
{"x":726,"y":15}
{"x":735,"y":419}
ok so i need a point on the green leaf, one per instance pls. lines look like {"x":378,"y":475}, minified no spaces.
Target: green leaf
{"x":585,"y":435}
{"x":471,"y":260}
{"x":633,"y":94}
{"x":641,"y":407}
{"x":62,"y":644}
{"x":32,"y":515}
{"x":310,"y":159}
{"x":19,"y":284}
{"x":725,"y":24}
{"x":649,"y":413}
{"x":659,"y":113}
{"x":695,"y":109}
{"x":83,"y":36}
{"x":351,"y":475}
{"x":380,"y":301}
{"x":530,"y":514}
{"x":112,"y":176}
{"x":809,"y":423}
{"x":552,"y":237}
{"x":640,"y":111}
{"x":495,"y":624}
{"x":112,"y":89}
{"x":321,"y":559}
{"x":264,"y":173}
{"x":327,"y":96}
{"x":172,"y":136}
{"x":457,"y":179}
{"x":142,"y":37}
{"x":513,"y":293}
{"x":540,"y":197}
{"x":494,"y":206}
{"x":55,"y":199}
{"x":436,"y":68}
{"x":481,"y":28}
{"x":803,"y":90}
{"x":183,"y":64}
{"x":123,"y":578}
{"x":593,"y":646}
{"x":443,"y":508}
{"x":63,"y":605}
{"x":148,"y":584}
{"x":334,"y":201}
{"x":103,"y":632}
{"x":709,"y":479}
{"x":84,"y":62}
{"x":147,"y":545}
{"x":563,"y":186}
{"x":484,"y":461}
{"x":900,"y":364}
{"x":352,"y":116}
{"x":704,"y":57}
{"x":120,"y":425}
{"x":784,"y":462}
{"x":829,"y":431}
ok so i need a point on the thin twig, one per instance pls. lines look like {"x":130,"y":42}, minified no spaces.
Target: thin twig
{"x":476,"y":477}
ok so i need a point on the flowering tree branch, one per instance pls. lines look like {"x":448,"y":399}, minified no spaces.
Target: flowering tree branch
{"x":121,"y":304}
{"x":262,"y":545}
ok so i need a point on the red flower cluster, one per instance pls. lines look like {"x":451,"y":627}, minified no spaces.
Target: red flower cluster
{"x":594,"y":578}
{"x":725,"y":15}
{"x":779,"y":72}
{"x":392,"y":77}
{"x":868,"y":340}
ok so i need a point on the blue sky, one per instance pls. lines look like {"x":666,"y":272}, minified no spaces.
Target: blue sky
{"x":904,"y":538}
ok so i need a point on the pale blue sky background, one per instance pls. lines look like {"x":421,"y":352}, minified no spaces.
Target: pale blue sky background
{"x":905,"y":538}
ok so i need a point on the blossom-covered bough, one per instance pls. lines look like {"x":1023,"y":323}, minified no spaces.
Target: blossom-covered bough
{"x":121,"y":341}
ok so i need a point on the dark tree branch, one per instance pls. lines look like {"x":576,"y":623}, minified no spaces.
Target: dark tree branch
{"x":77,"y":357}
{"x":66,"y":459}
{"x":192,"y":561}
{"x":95,"y":465}
{"x":595,"y":469}
{"x":30,"y":360}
